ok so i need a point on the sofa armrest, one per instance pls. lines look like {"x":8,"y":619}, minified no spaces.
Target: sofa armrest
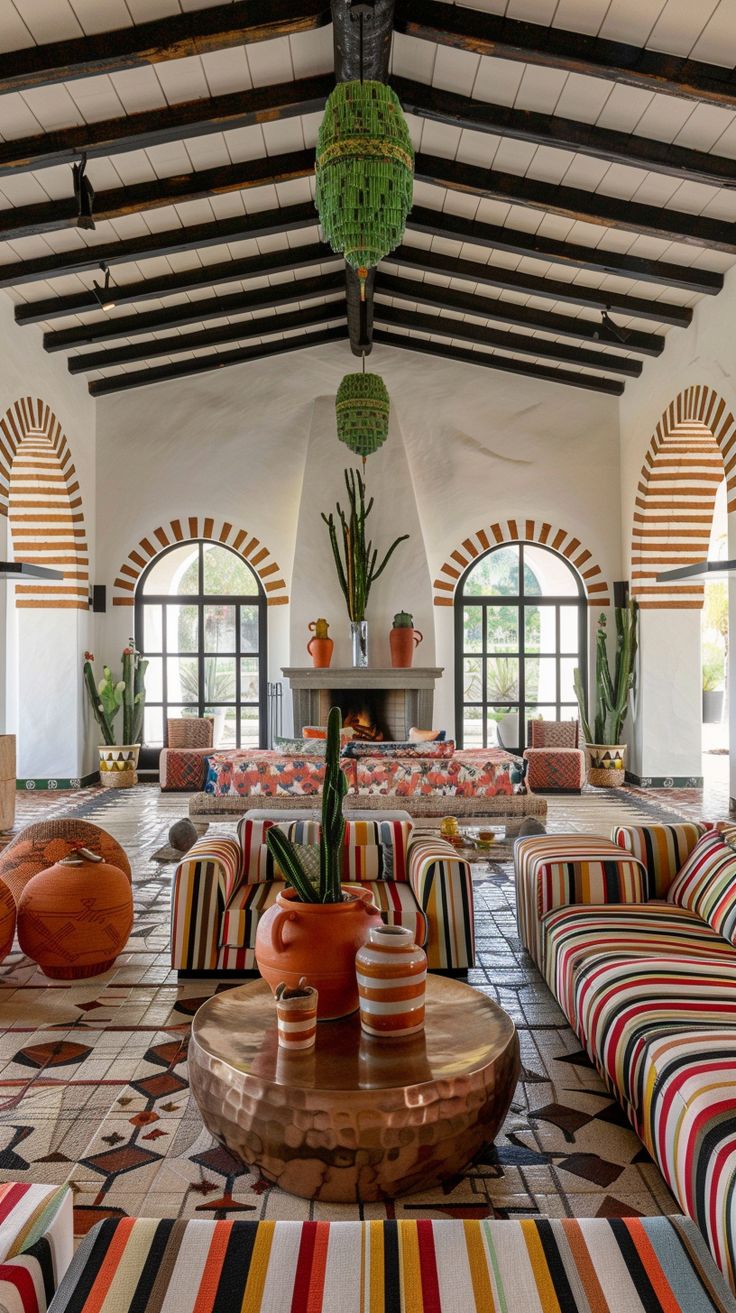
{"x":36,"y":1243}
{"x":204,"y":882}
{"x":442,"y":885}
{"x":663,"y":849}
{"x":553,"y":871}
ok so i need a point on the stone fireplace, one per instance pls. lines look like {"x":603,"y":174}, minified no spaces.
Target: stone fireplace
{"x":387,"y":702}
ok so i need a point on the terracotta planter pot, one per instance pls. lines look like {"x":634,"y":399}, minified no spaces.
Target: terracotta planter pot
{"x":403,"y":645}
{"x":318,"y":941}
{"x":320,"y":650}
{"x":75,"y":917}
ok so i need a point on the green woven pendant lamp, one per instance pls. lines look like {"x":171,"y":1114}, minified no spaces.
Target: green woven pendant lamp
{"x":362,"y":406}
{"x":364,"y":173}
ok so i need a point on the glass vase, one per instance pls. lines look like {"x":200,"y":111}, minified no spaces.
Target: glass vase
{"x":359,"y":639}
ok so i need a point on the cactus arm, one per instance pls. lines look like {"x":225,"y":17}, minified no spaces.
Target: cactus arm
{"x":139,"y":699}
{"x":285,"y":855}
{"x":582,"y":705}
{"x":332,"y":830}
{"x":127,"y":697}
{"x":99,"y":710}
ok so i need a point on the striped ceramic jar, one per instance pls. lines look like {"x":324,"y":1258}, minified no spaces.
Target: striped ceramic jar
{"x":296,"y":1013}
{"x":392,"y":974}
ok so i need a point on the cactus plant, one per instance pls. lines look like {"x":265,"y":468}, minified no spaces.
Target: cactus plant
{"x":612,"y":692}
{"x":284,"y":851}
{"x":357,"y":572}
{"x":108,"y":695}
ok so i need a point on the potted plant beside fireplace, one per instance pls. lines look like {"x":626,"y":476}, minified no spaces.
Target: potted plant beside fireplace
{"x":118,"y":761}
{"x":605,"y":750}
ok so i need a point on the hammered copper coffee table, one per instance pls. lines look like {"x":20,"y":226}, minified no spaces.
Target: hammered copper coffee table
{"x":355,"y":1118}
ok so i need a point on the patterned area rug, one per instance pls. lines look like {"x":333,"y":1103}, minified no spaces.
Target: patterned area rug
{"x":93,"y":1075}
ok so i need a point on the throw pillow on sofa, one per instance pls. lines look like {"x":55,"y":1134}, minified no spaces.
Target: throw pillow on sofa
{"x":706,"y":884}
{"x":361,"y":748}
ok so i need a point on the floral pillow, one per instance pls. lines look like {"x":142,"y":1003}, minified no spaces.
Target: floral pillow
{"x":362,"y":748}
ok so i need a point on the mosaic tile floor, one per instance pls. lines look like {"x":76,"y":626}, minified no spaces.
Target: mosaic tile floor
{"x":93,"y":1079}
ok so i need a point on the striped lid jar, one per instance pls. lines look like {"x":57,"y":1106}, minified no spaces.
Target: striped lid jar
{"x":392,"y":975}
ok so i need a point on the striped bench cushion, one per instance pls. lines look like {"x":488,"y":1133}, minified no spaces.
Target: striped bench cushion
{"x":372,"y":849}
{"x":574,"y":934}
{"x":707,"y":883}
{"x":621,"y":1265}
{"x":396,"y":901}
{"x":663,"y":849}
{"x":36,"y":1244}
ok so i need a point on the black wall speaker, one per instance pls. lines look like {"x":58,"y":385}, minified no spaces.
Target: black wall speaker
{"x":621,"y":592}
{"x":99,"y":597}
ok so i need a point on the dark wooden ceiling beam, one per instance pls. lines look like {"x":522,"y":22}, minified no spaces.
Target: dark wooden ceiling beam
{"x":628,"y":148}
{"x":364,"y":57}
{"x":438,"y":223}
{"x":508,"y":364}
{"x":481,"y":335}
{"x":194,"y":312}
{"x":49,"y":216}
{"x":553,"y":289}
{"x":264,"y":223}
{"x":489,"y":307}
{"x":192,"y":118}
{"x":482,"y":33}
{"x":574,"y":203}
{"x":208,"y":337}
{"x":289,"y":259}
{"x":220,"y":360}
{"x":197,"y":32}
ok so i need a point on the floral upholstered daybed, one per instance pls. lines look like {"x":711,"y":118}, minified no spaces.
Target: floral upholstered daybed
{"x":636,"y":937}
{"x":378,"y":775}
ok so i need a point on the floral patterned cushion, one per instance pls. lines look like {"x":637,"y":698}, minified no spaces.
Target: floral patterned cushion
{"x":361,"y":748}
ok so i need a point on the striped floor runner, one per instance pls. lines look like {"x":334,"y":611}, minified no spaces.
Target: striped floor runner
{"x":631,"y":1265}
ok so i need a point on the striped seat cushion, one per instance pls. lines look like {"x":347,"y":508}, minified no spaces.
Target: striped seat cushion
{"x":687,"y":1119}
{"x":707,"y":883}
{"x":621,"y":1003}
{"x":595,"y":1265}
{"x":372,"y":849}
{"x":396,"y":901}
{"x":574,"y":934}
{"x":36,"y":1244}
{"x":663,"y":849}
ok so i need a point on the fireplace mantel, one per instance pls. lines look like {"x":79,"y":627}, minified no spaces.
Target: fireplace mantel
{"x":408,"y":693}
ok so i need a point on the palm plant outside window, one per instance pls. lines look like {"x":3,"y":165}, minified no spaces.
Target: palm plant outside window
{"x":520,"y":632}
{"x":201,"y":621}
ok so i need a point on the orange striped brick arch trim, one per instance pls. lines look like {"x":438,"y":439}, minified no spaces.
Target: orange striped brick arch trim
{"x":692,"y":448}
{"x":40,"y":495}
{"x":187,"y":529}
{"x":512,"y":531}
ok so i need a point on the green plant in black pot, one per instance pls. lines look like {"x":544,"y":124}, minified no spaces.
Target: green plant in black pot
{"x":285,"y":853}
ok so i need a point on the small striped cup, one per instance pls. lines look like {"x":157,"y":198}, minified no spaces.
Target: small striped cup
{"x":296,"y":1014}
{"x":392,"y":974}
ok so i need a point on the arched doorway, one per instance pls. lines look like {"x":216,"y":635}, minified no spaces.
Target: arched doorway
{"x":200,"y":619}
{"x":520,"y":632}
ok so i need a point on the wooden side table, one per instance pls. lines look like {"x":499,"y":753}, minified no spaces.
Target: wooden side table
{"x":355,"y":1118}
{"x":7,"y":781}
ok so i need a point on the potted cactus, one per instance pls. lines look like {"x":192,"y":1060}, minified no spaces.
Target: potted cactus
{"x":357,"y":567}
{"x":118,"y":761}
{"x":613,"y":693}
{"x":313,"y":929}
{"x":403,"y":640}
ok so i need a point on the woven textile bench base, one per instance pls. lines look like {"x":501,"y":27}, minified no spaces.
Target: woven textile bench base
{"x":621,"y":1265}
{"x":502,"y":806}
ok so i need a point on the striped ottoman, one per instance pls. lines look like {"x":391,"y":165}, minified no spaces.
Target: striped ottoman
{"x":621,"y":1265}
{"x":36,"y":1244}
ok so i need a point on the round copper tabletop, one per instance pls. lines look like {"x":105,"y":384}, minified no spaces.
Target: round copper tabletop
{"x":355,"y":1117}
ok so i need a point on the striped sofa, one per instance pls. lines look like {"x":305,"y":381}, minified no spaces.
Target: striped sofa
{"x":638,"y":947}
{"x":36,"y":1244}
{"x":223,"y":886}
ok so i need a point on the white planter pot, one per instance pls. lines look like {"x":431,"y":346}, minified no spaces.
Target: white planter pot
{"x":118,"y":765}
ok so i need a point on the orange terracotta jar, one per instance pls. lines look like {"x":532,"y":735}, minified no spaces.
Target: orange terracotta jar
{"x":320,"y":645}
{"x":318,"y":941}
{"x":7,"y":920}
{"x":75,"y":917}
{"x":403,"y":642}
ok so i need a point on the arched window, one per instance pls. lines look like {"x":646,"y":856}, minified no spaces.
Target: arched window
{"x":520,"y":631}
{"x":200,"y":619}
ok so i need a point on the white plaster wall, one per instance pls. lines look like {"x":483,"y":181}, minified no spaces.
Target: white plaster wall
{"x":468,"y":446}
{"x":670,"y":655}
{"x":42,"y":702}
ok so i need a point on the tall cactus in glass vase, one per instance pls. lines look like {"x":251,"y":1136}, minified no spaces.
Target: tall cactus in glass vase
{"x":357,"y":565}
{"x":613,"y":692}
{"x":285,"y":853}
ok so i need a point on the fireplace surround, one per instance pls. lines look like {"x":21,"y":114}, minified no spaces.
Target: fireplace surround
{"x":395,"y":699}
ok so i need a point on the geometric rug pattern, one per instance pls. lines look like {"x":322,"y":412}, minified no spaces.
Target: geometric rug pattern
{"x":93,"y":1074}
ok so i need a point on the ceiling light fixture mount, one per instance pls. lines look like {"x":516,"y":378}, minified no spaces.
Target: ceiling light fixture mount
{"x":105,"y":294}
{"x":84,"y":194}
{"x":610,"y":329}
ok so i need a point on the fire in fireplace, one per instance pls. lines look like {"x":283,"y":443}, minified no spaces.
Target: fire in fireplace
{"x":362,"y":724}
{"x":362,"y":711}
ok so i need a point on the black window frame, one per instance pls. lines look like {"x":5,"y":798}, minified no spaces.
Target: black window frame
{"x":518,"y":601}
{"x":201,"y":599}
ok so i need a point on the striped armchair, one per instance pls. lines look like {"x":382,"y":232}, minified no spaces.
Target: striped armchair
{"x":223,"y":887}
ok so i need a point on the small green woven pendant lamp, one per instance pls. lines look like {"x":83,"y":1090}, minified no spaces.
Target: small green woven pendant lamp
{"x":364,"y":173}
{"x":362,"y":406}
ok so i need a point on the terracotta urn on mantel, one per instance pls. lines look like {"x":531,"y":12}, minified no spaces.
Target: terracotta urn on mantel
{"x":320,"y":645}
{"x":404,"y":640}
